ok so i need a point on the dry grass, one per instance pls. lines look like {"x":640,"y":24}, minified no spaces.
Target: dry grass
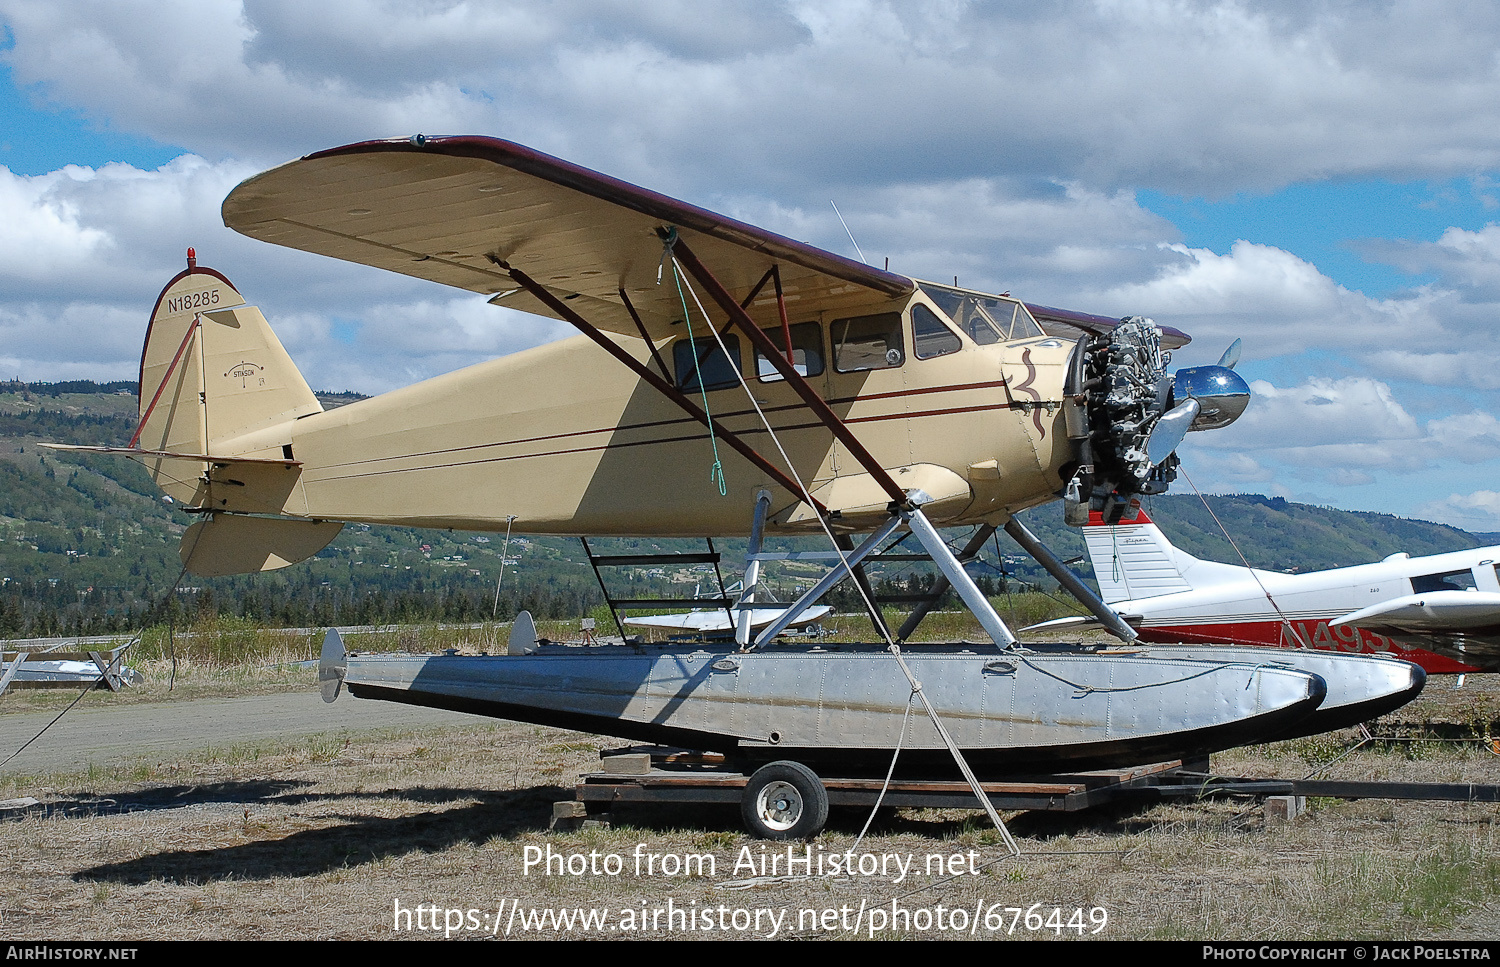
{"x":322,"y":837}
{"x":221,"y":657}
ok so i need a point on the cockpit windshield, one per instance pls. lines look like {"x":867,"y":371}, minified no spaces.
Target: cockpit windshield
{"x":987,"y":319}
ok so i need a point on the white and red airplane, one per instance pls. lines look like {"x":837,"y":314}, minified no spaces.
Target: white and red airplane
{"x":1441,"y":612}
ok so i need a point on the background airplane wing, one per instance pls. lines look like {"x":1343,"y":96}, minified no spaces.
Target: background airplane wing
{"x":1068,"y":324}
{"x":449,"y":209}
{"x":1464,"y":625}
{"x":1435,"y":612}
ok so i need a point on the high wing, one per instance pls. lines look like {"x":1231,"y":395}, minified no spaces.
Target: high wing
{"x":451,"y":209}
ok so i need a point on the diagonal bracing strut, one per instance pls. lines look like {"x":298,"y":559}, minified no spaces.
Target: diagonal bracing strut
{"x":905,"y":507}
{"x":658,"y":383}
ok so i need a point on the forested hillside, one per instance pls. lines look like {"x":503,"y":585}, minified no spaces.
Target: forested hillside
{"x":87,"y":546}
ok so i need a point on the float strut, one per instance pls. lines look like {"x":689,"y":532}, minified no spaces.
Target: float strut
{"x":1112,"y":622}
{"x":938,"y":550}
{"x":746,"y":605}
{"x":941,"y":585}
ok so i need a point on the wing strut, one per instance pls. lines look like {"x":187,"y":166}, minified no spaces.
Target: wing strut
{"x":905,"y":506}
{"x":658,"y":383}
{"x":650,"y":343}
{"x":768,"y":349}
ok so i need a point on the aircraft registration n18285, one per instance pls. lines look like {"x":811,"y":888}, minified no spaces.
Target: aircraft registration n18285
{"x":728,"y":381}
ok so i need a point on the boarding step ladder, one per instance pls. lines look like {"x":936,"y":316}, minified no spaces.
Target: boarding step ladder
{"x":616,"y":605}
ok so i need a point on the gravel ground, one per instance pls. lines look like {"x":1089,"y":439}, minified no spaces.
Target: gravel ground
{"x":273,"y":816}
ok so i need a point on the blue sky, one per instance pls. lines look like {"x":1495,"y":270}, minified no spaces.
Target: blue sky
{"x":1319,"y":179}
{"x":1326,"y":222}
{"x":36,"y":138}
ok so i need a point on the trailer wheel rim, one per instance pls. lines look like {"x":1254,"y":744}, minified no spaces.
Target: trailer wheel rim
{"x":779,"y":805}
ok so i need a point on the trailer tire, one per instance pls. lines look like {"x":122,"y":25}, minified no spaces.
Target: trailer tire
{"x":784,"y":800}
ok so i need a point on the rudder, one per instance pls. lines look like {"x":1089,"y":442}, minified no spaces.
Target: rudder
{"x":211,"y":371}
{"x":1133,"y":559}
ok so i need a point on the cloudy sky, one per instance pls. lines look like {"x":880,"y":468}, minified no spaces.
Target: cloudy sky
{"x":1320,"y":179}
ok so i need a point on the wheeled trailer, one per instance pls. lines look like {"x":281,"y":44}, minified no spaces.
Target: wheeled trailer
{"x":787,"y":800}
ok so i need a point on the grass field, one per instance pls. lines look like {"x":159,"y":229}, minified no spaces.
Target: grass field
{"x":333,"y":836}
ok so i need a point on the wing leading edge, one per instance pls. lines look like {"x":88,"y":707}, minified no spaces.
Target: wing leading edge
{"x":451,"y":209}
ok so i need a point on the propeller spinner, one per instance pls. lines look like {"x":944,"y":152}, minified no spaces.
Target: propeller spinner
{"x":1222,"y":394}
{"x":1129,"y":415}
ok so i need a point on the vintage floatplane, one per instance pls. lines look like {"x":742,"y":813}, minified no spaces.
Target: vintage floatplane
{"x":826,"y":395}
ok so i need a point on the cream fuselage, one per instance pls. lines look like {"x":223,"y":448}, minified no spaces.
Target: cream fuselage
{"x":566,"y":440}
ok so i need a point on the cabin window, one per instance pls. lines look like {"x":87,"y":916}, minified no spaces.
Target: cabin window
{"x":987,"y":319}
{"x":1447,"y":581}
{"x":930,"y":338}
{"x":981,"y":329}
{"x":712,"y":368}
{"x":948,"y":300}
{"x":807,"y":352}
{"x":1025,"y":326}
{"x":998,"y":318}
{"x":868,"y":342}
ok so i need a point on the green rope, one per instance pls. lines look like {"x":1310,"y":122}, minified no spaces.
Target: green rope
{"x":716,"y":472}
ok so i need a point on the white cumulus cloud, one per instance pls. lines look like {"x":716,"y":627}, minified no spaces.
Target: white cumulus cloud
{"x":1476,"y":511}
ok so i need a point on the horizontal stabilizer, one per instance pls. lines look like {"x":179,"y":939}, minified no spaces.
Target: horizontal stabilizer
{"x":172,"y":455}
{"x":235,"y":544}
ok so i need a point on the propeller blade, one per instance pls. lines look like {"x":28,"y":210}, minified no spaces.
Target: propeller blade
{"x":1231,"y":355}
{"x":1170,"y":430}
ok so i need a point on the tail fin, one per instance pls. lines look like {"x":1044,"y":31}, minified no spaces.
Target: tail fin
{"x":1133,"y":559}
{"x":212,"y":374}
{"x":211,"y":371}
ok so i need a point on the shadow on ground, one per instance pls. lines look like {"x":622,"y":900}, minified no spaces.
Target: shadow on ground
{"x":477,"y":816}
{"x":450,"y":816}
